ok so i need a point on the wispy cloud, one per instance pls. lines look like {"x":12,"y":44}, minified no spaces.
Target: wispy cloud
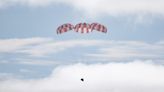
{"x":12,"y":45}
{"x":7,"y":76}
{"x":121,"y":77}
{"x":4,"y":62}
{"x":99,"y":49}
{"x":56,"y":46}
{"x":99,"y":7}
{"x":36,"y":62}
{"x":41,"y":46}
{"x":119,"y":50}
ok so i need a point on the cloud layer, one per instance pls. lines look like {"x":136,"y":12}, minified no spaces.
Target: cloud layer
{"x":99,"y":7}
{"x":13,"y":45}
{"x":90,"y":49}
{"x":112,"y":77}
{"x":135,"y":71}
{"x":130,"y":50}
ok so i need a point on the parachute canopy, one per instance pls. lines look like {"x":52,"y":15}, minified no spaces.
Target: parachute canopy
{"x":98,"y":27}
{"x":81,"y":28}
{"x":64,"y":28}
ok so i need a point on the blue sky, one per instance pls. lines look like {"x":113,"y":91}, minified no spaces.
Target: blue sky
{"x":32,"y":52}
{"x":20,"y":21}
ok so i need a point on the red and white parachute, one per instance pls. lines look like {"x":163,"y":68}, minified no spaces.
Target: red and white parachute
{"x":81,"y":28}
{"x":64,"y":28}
{"x":98,"y":27}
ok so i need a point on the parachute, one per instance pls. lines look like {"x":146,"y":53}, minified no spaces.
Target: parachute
{"x":81,"y":28}
{"x":64,"y":28}
{"x":98,"y":27}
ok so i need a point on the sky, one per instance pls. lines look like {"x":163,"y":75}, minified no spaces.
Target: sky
{"x":128,"y":58}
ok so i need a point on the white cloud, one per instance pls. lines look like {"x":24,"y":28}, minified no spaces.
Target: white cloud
{"x":118,"y":7}
{"x":6,"y":76}
{"x":26,"y":71}
{"x":12,"y":45}
{"x":4,"y":62}
{"x":99,"y":7}
{"x":112,"y":77}
{"x":58,"y":46}
{"x":36,"y":62}
{"x":118,"y":50}
{"x":41,"y":46}
{"x":99,"y":49}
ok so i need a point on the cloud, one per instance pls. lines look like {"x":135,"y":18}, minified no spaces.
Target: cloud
{"x":95,"y":50}
{"x":9,"y":76}
{"x":12,"y":45}
{"x":57,"y":46}
{"x":41,"y":46}
{"x":112,"y":77}
{"x":118,"y":7}
{"x":4,"y":62}
{"x":26,"y":71}
{"x":99,"y":7}
{"x":36,"y":62}
{"x":118,"y":50}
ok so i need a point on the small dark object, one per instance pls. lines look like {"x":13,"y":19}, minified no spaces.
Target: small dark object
{"x":82,"y":79}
